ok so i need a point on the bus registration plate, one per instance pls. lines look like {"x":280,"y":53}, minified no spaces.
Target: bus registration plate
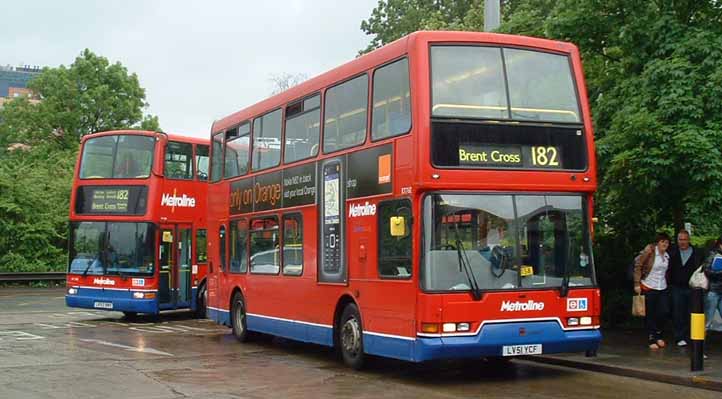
{"x":521,"y":350}
{"x":103,"y":305}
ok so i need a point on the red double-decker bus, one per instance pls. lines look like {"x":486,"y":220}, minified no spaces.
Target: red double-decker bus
{"x":431,"y":199}
{"x":138,"y":231}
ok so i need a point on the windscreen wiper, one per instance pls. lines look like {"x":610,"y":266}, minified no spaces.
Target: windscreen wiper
{"x":90,"y":263}
{"x":464,"y":262}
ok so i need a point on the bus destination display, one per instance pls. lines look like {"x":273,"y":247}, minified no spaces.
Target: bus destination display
{"x":126,"y":200}
{"x":516,"y":156}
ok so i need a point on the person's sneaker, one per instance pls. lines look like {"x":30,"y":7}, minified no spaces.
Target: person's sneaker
{"x":704,"y":356}
{"x":681,"y":342}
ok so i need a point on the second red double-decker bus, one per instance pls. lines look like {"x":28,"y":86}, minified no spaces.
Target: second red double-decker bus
{"x":431,"y":199}
{"x":138,"y":223}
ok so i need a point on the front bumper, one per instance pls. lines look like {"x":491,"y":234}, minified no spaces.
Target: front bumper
{"x":122,"y":300}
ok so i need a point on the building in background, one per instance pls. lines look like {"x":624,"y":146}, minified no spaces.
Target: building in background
{"x":14,"y":81}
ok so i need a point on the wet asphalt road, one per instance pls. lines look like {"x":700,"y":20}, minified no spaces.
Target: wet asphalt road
{"x":50,"y":351}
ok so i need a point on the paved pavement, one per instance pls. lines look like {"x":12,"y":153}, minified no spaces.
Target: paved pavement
{"x":50,"y":351}
{"x":625,"y":352}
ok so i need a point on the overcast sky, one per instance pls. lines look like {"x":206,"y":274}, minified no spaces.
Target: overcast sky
{"x":198,"y":60}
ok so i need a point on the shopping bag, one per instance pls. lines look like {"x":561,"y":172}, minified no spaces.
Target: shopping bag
{"x":699,"y":280}
{"x":638,"y":307}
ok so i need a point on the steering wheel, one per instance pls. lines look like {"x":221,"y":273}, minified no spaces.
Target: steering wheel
{"x":498,"y":261}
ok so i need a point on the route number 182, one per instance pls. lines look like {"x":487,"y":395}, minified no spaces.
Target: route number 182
{"x":544,"y":156}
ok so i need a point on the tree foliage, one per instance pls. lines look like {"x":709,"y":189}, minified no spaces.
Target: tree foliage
{"x":90,"y":95}
{"x":38,"y":148}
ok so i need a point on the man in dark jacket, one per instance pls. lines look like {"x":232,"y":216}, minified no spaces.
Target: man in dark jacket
{"x":684,"y":259}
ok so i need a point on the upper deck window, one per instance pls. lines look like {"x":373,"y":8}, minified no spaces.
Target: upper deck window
{"x":392,"y":101}
{"x":303,"y":120}
{"x":178,"y":160}
{"x":202,"y":162}
{"x":502,"y":83}
{"x":267,"y":140}
{"x":237,"y":149}
{"x":117,"y":157}
{"x":344,"y":125}
{"x":217,"y":157}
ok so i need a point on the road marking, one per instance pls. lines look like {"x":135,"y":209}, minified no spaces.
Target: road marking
{"x":20,"y":335}
{"x":69,"y":324}
{"x":128,"y":348}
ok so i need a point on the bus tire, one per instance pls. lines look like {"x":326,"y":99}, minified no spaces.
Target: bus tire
{"x":130,"y":315}
{"x":238,"y":318}
{"x":202,"y":302}
{"x":350,"y":337}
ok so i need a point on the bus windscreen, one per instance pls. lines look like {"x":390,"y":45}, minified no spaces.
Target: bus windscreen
{"x":117,"y":157}
{"x":112,"y":248}
{"x":480,"y":82}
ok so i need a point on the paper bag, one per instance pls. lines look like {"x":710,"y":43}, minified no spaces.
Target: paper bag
{"x":638,"y":306}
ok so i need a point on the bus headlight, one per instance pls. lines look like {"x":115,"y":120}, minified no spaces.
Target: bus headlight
{"x":144,"y":295}
{"x":585,"y":321}
{"x":572,"y":321}
{"x":138,"y":295}
{"x":72,"y":291}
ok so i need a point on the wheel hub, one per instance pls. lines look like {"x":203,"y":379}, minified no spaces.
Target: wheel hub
{"x":351,"y":336}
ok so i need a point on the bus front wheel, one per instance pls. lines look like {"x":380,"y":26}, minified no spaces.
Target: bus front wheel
{"x":238,"y":318}
{"x":201,"y":302}
{"x":350,"y":337}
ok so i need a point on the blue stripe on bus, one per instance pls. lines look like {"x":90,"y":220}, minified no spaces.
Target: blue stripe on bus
{"x":487,"y":343}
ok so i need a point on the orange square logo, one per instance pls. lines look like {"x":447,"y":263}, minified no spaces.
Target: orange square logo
{"x":385,"y":169}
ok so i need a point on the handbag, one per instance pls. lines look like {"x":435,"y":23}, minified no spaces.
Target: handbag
{"x":699,"y":280}
{"x":638,"y":306}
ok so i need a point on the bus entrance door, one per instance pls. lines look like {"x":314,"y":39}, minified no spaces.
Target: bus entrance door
{"x":174,"y":284}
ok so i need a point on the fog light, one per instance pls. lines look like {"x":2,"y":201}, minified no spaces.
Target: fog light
{"x":429,"y":328}
{"x":586,"y":321}
{"x":72,"y":291}
{"x":463,"y":327}
{"x":138,"y":295}
{"x":573,"y":321}
{"x":449,"y":327}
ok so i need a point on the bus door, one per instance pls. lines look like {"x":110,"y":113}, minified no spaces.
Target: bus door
{"x":174,"y":285}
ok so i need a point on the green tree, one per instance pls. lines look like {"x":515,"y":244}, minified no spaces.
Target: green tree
{"x":90,"y":95}
{"x":38,"y":148}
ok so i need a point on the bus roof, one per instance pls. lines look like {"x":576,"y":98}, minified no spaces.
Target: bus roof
{"x":379,"y":56}
{"x":171,"y":136}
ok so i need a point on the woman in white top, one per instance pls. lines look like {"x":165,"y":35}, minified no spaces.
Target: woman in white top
{"x":651,"y":278}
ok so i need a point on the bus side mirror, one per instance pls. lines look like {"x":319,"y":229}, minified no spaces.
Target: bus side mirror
{"x":398,"y":226}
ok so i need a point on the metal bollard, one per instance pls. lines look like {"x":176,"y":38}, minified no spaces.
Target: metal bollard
{"x":697,"y":329}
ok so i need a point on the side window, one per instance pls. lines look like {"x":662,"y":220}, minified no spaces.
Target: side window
{"x":239,"y":245}
{"x":201,"y":246}
{"x":178,"y":160}
{"x":217,"y":158}
{"x":265,"y":257}
{"x":391,"y":102}
{"x":222,"y":246}
{"x":237,"y":143}
{"x":344,"y":122}
{"x":267,"y":140}
{"x":303,"y":120}
{"x":395,"y":250}
{"x":293,"y":244}
{"x":202,"y":162}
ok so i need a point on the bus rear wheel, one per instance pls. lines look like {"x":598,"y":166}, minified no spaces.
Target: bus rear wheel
{"x":238,"y":318}
{"x":350,"y":337}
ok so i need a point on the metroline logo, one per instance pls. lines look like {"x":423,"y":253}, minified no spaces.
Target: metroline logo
{"x":361,"y":210}
{"x":509,"y":306}
{"x":183,"y":201}
{"x":103,"y":281}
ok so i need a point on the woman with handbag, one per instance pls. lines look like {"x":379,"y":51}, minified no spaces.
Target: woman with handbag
{"x":651,"y":278}
{"x":712,"y":268}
